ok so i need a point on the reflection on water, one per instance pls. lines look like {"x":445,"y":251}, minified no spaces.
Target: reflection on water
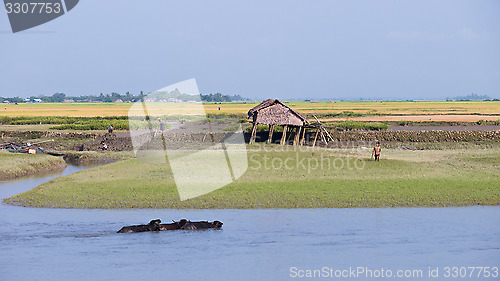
{"x":59,"y":244}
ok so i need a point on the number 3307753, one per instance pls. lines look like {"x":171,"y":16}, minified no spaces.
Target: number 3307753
{"x":32,"y":8}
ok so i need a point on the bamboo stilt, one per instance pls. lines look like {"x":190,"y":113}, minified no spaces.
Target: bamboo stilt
{"x":271,"y":131}
{"x":323,"y":137}
{"x":329,"y":136}
{"x":283,"y":137}
{"x":315,"y":137}
{"x":289,"y":135}
{"x":303,"y":136}
{"x":254,"y":131}
{"x":321,"y":126}
{"x":296,"y":138}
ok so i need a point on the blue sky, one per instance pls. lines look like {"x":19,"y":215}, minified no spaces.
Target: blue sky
{"x":261,"y":49}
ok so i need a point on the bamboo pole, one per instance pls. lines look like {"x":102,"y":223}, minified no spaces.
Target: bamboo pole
{"x":327,"y":133}
{"x":41,"y":142}
{"x":283,"y":137}
{"x":254,"y":131}
{"x":271,"y":131}
{"x":323,"y":137}
{"x":296,"y":138}
{"x":289,"y":135}
{"x":315,"y":137}
{"x":323,"y":128}
{"x":303,"y":136}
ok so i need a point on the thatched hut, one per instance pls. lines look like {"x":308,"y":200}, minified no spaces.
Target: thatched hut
{"x":272,"y":112}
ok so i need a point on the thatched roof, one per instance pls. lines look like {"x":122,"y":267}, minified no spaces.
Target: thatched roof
{"x":274,"y":112}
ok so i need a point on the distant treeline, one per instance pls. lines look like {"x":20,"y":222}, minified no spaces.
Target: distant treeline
{"x":472,"y":97}
{"x":113,"y":97}
{"x":221,"y":98}
{"x":61,"y":97}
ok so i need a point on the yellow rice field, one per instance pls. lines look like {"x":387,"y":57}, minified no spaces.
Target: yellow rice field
{"x":376,"y":111}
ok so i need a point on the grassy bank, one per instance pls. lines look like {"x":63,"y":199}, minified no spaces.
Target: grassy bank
{"x":94,"y":157}
{"x":14,"y":165}
{"x":402,"y":179}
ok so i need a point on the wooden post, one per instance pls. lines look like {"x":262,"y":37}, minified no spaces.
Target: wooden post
{"x":303,"y":136}
{"x":283,"y":137}
{"x":329,"y":136}
{"x":296,"y":138}
{"x":323,"y":137}
{"x":271,"y":131}
{"x":294,"y":130}
{"x":254,"y":131}
{"x":289,"y":135}
{"x":316,"y":137}
{"x":323,"y":129}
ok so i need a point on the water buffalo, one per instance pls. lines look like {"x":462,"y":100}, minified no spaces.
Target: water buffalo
{"x":153,"y":225}
{"x":174,"y":225}
{"x":194,"y":225}
{"x":183,"y":224}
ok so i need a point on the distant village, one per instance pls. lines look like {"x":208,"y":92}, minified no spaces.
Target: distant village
{"x":174,"y":97}
{"x":177,"y":97}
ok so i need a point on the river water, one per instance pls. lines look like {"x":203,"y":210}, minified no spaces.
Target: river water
{"x":282,"y":244}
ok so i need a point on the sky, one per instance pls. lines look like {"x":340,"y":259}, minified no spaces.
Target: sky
{"x":260,"y":49}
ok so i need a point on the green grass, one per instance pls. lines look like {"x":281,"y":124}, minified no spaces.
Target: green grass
{"x":73,"y":123}
{"x":357,"y":125}
{"x":443,"y":145}
{"x":14,"y":165}
{"x":443,"y":123}
{"x":94,"y":157}
{"x":402,"y":179}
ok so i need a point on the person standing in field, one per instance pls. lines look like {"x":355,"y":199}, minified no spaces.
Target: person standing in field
{"x":162,"y":126}
{"x":376,"y":151}
{"x":111,"y":129}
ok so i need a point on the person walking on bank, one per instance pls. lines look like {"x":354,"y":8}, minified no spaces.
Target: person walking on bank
{"x":376,"y":151}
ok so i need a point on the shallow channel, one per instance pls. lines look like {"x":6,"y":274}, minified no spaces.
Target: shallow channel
{"x":72,"y":244}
